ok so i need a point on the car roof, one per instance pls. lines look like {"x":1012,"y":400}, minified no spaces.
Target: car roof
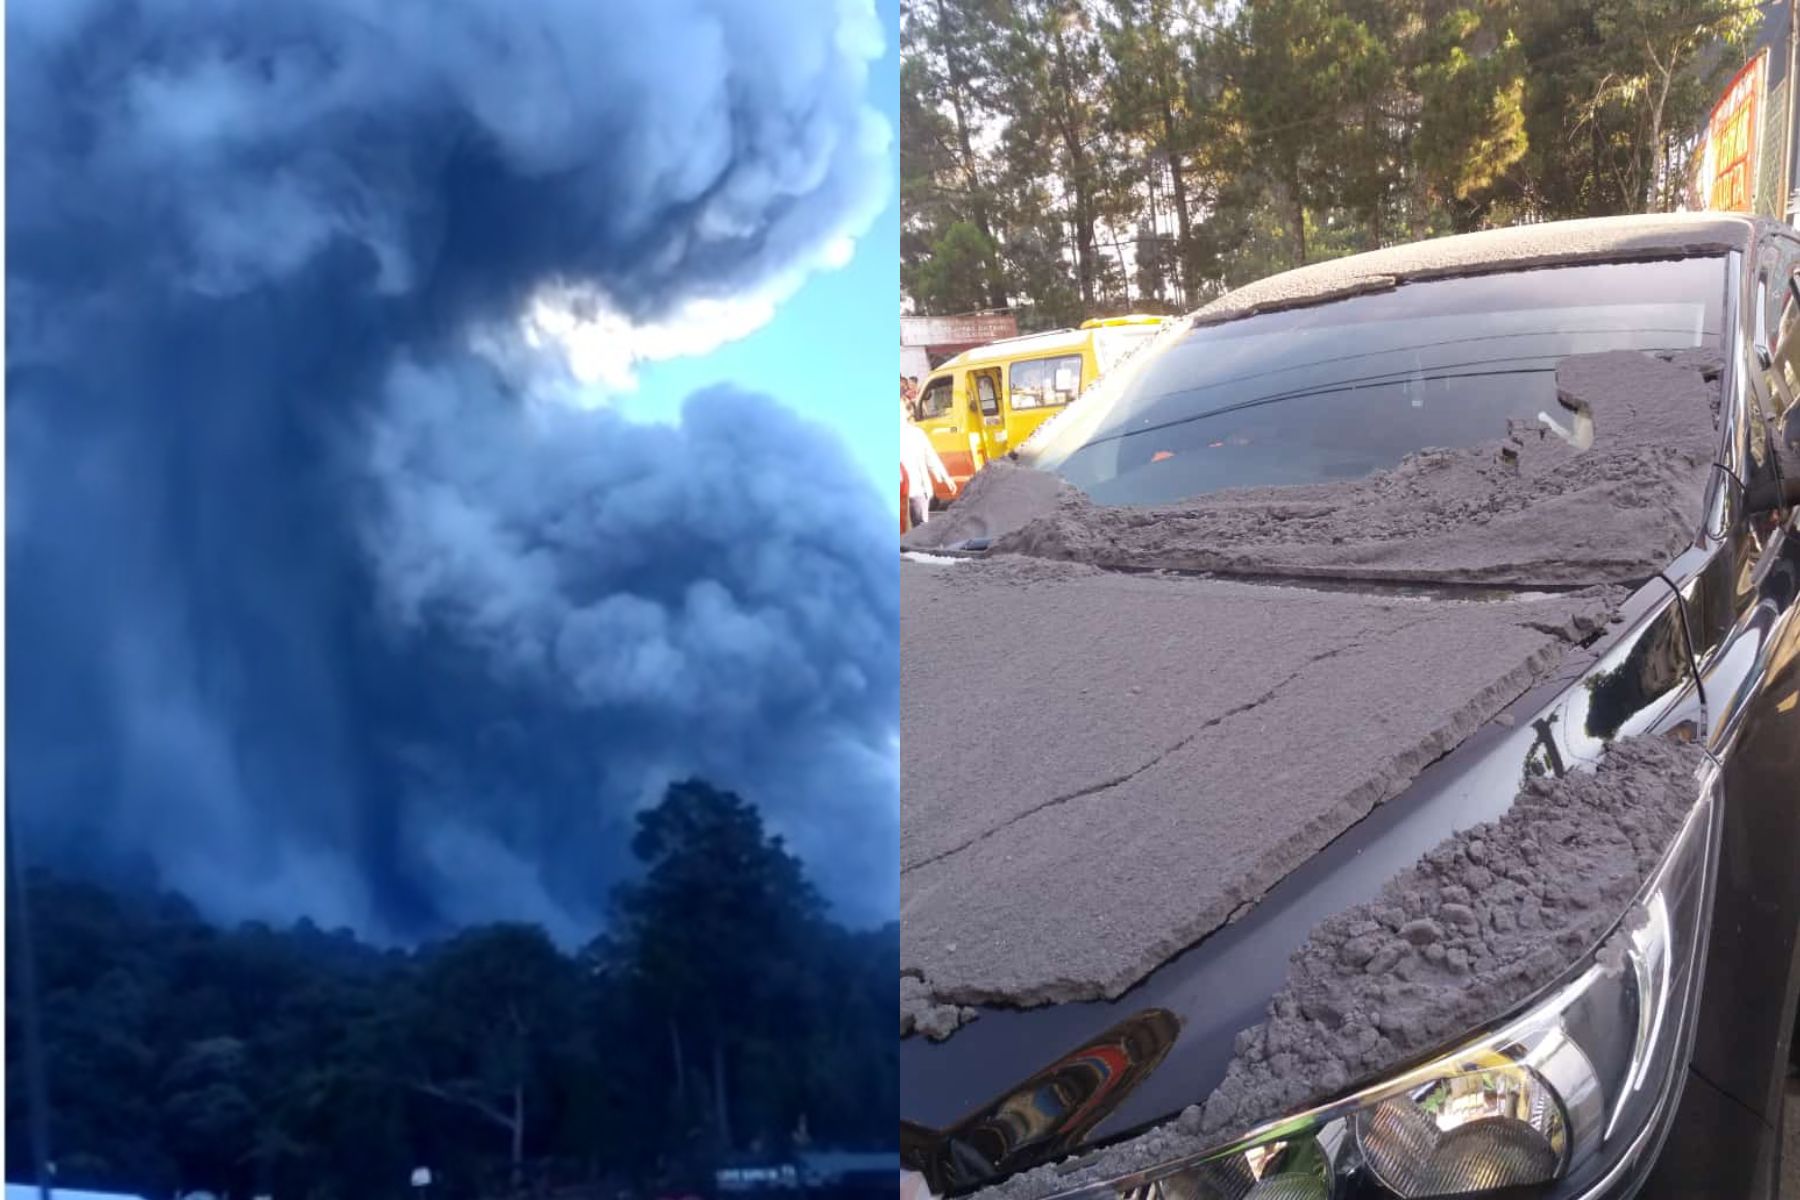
{"x":1025,"y":344}
{"x":1660,"y":235}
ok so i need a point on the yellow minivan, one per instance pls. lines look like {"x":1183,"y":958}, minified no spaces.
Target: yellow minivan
{"x":987,"y":401}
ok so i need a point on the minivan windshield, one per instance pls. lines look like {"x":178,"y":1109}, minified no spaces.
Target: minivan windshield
{"x":1339,"y":390}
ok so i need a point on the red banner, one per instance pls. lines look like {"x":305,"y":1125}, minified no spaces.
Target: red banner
{"x":1733,"y":135}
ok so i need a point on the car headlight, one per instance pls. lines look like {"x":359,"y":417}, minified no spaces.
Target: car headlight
{"x":1569,"y":1098}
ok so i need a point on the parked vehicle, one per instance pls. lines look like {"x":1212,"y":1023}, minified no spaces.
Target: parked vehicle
{"x":1330,"y":382}
{"x":985,"y":402}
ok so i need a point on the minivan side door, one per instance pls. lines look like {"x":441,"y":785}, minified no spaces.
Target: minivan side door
{"x":943,"y":416}
{"x":983,"y":385}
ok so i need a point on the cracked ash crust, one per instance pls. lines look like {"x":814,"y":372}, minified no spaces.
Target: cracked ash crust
{"x":1527,"y":510}
{"x":1479,"y":925}
{"x":1046,"y":795}
{"x":921,"y":1012}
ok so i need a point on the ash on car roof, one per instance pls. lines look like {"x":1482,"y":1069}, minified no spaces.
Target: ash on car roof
{"x":1605,"y":239}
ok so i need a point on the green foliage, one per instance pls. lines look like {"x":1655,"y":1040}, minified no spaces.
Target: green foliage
{"x":954,"y":276}
{"x":310,"y":1065}
{"x":1472,"y":125}
{"x":1633,"y":81}
{"x":1244,"y":136}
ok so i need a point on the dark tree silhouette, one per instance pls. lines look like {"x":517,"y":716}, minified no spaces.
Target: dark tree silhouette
{"x":721,"y":1012}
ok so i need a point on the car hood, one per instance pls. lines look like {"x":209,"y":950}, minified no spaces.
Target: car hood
{"x":1112,"y":844}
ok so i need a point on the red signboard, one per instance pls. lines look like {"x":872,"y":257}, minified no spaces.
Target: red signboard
{"x":974,"y":330}
{"x":1732,"y":137}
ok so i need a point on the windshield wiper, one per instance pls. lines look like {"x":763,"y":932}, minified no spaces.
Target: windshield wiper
{"x":1355,"y":385}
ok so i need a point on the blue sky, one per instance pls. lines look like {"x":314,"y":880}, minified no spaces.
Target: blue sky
{"x":831,"y":351}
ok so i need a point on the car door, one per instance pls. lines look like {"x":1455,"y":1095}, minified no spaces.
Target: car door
{"x":1740,"y":610}
{"x":941,"y":414}
{"x":983,"y":385}
{"x":1780,"y":288}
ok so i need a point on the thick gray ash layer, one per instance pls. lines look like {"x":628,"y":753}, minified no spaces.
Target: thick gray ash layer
{"x":1528,"y":510}
{"x":920,"y":1012}
{"x":1479,"y":925}
{"x":1521,"y":247}
{"x":1153,"y":709}
{"x":999,"y":499}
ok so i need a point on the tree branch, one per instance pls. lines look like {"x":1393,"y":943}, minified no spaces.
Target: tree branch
{"x":470,"y":1102}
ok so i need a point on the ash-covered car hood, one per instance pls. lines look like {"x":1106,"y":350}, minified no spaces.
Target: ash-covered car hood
{"x":1129,"y":793}
{"x":1081,"y":813}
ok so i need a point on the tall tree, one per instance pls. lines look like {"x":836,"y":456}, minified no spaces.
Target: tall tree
{"x":500,"y":1000}
{"x":718,"y":903}
{"x":1470,"y":78}
{"x":945,"y":85}
{"x":1300,"y":67}
{"x":1055,"y":74}
{"x":1159,"y":100}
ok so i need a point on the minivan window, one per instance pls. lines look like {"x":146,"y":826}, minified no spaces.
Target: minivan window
{"x":1343,"y":389}
{"x":935,"y":400}
{"x":986,"y":395}
{"x":1043,"y":382}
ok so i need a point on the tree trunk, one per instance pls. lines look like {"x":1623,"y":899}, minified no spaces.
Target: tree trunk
{"x":1658,"y":201}
{"x":1085,"y":250}
{"x":1299,"y":226}
{"x":1596,"y":200}
{"x":719,"y":1102}
{"x":1184,"y":239}
{"x":680,"y":1065}
{"x":518,"y":1136}
{"x":1370,"y":121}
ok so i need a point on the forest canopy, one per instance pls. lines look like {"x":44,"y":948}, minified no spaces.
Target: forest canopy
{"x":720,"y":1014}
{"x":1077,"y":158}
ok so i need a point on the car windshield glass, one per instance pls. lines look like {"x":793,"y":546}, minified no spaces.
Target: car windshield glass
{"x":1340,"y":390}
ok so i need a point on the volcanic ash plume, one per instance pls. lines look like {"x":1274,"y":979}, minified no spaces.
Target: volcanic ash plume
{"x":324,"y":600}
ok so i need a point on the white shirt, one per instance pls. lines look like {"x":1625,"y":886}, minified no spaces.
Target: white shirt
{"x":920,"y":458}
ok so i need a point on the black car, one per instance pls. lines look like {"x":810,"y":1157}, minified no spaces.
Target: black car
{"x":1080,"y":1001}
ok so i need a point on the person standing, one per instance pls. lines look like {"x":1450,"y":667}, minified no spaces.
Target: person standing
{"x":905,"y":502}
{"x":919,"y":463}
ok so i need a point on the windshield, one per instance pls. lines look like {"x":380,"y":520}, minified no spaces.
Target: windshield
{"x":1340,"y":390}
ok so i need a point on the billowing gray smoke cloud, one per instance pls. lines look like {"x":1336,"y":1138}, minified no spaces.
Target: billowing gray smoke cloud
{"x":318,"y":604}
